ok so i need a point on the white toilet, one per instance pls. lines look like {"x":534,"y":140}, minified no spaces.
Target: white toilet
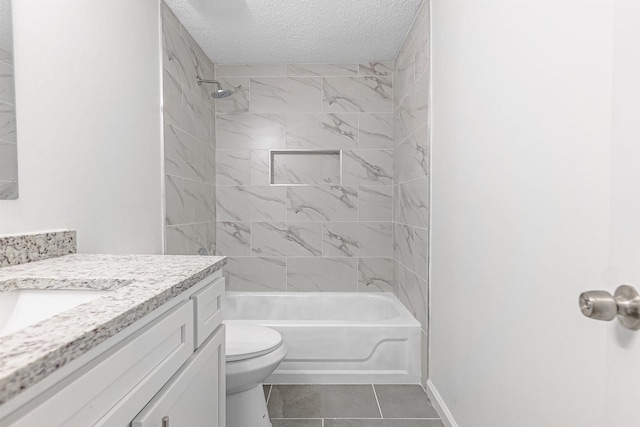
{"x":253,"y":353}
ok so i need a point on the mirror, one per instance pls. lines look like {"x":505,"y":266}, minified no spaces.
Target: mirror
{"x":8,"y":136}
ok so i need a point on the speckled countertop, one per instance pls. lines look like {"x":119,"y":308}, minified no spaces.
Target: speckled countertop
{"x":139,"y":284}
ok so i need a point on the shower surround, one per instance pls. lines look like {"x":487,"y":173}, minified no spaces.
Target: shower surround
{"x":363,"y":226}
{"x":411,"y":174}
{"x":332,"y":235}
{"x":189,"y":142}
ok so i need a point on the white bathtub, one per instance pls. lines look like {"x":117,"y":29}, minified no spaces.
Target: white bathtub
{"x":335,"y":337}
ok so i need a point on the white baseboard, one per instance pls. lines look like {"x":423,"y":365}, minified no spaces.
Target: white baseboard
{"x":440,"y":406}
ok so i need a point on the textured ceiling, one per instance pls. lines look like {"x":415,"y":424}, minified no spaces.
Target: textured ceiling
{"x":303,"y":31}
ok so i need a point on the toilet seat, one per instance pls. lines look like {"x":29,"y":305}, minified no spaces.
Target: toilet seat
{"x":247,"y":341}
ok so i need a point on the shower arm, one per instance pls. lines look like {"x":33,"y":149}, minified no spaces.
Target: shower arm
{"x":200,"y":81}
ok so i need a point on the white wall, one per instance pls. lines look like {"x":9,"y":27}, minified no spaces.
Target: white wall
{"x":522,"y":106}
{"x":88,"y":95}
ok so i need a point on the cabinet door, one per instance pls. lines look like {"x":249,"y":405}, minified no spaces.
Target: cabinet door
{"x":122,"y":379}
{"x":195,"y":396}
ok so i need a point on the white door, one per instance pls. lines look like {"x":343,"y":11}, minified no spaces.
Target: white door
{"x":623,"y":346}
{"x":535,"y":198}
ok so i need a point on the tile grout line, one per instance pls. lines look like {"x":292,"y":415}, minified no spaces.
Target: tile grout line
{"x":286,"y":273}
{"x":377,"y":401}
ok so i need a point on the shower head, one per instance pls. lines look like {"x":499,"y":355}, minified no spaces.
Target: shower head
{"x":219,"y":93}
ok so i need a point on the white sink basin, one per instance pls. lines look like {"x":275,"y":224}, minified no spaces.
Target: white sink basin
{"x":24,"y":307}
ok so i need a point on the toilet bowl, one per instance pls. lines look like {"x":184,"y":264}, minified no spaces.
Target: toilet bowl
{"x":252,"y":354}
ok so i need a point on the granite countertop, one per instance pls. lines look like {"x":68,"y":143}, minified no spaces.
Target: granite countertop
{"x":139,"y":284}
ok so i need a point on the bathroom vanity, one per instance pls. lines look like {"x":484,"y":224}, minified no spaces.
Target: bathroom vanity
{"x":146,"y":350}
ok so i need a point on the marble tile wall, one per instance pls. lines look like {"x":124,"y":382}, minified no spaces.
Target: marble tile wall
{"x":335,"y":234}
{"x":411,"y":151}
{"x":189,"y":142}
{"x":8,"y":137}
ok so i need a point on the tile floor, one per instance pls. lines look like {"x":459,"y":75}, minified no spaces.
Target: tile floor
{"x":350,"y":406}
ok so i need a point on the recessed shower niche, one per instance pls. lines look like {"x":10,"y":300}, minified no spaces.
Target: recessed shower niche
{"x":305,"y":167}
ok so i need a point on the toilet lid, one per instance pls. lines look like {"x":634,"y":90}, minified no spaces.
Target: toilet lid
{"x":247,"y":341}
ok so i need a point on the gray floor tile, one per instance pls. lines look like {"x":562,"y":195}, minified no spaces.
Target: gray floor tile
{"x":292,"y":422}
{"x":404,"y":401}
{"x":323,"y":401}
{"x":383,"y":423}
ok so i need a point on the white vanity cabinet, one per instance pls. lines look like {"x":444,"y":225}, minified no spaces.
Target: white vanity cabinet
{"x":199,"y":382}
{"x":171,"y":363}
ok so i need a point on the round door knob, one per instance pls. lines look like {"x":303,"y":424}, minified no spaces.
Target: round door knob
{"x":599,"y":305}
{"x":628,"y":302}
